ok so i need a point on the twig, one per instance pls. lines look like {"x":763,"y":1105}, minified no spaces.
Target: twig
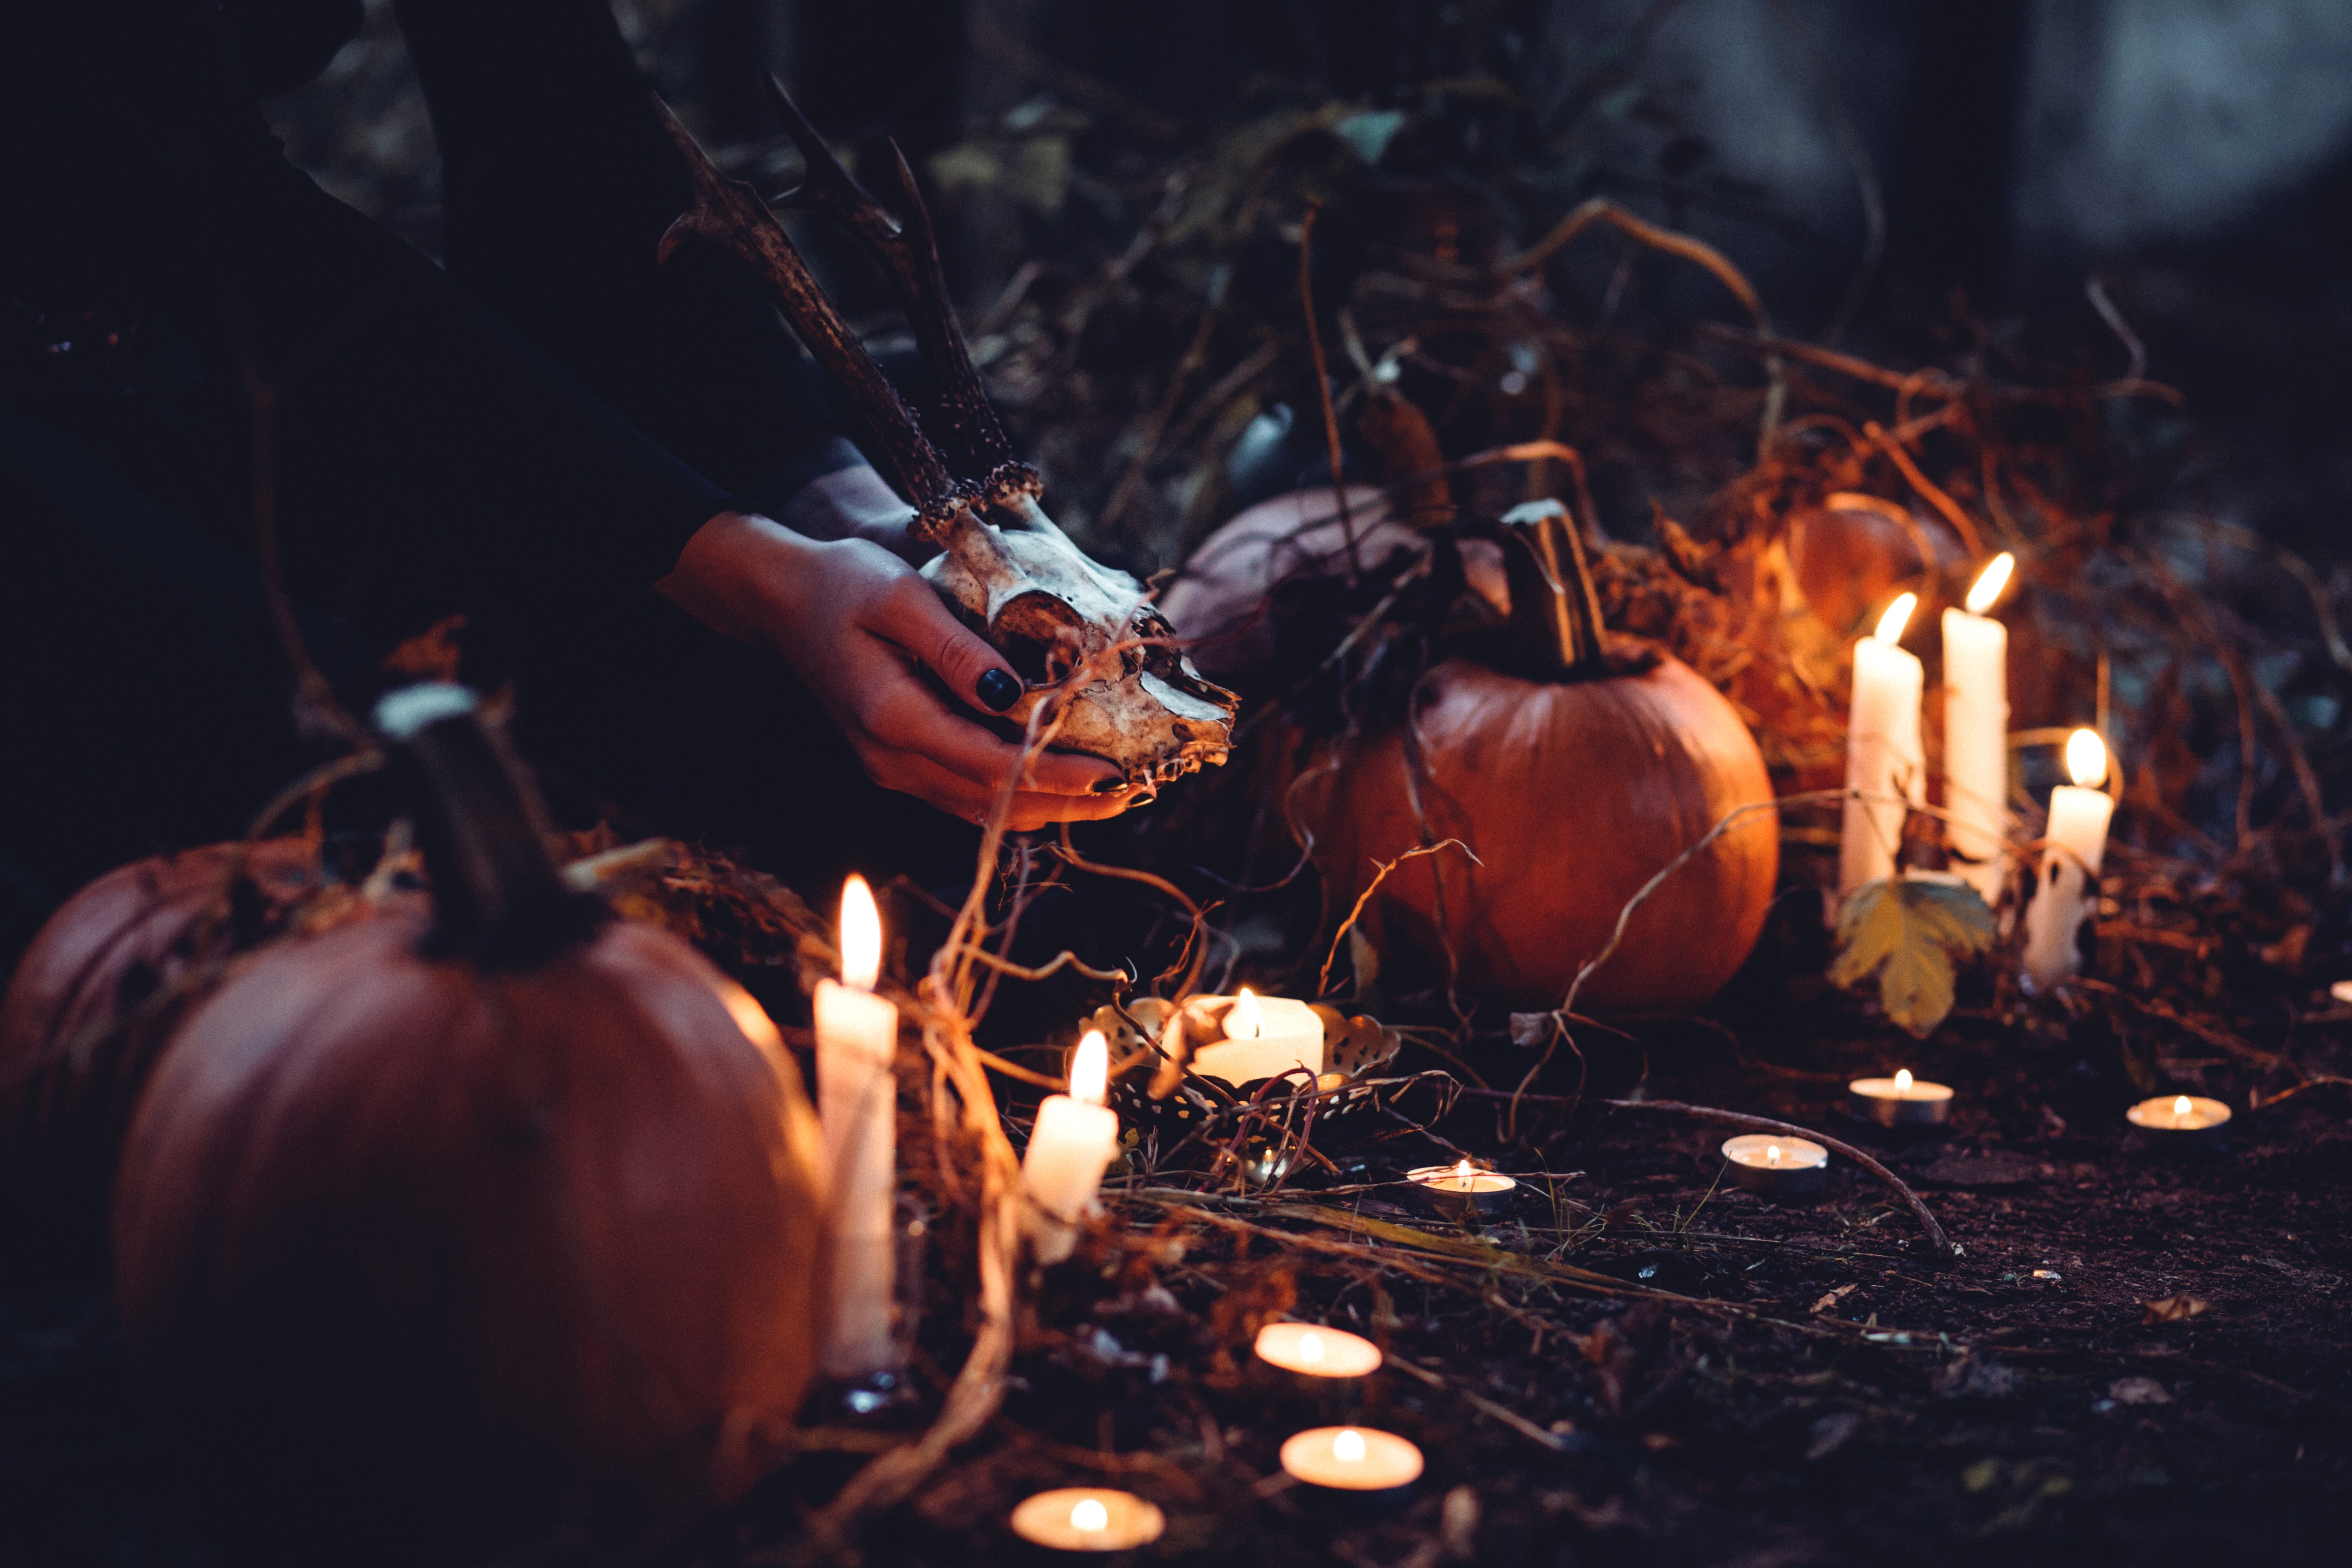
{"x":2257,"y":1101}
{"x":2097,"y":292}
{"x":1928,"y":490}
{"x":1323,"y":386}
{"x":1625,"y":918}
{"x":1080,"y":863}
{"x":1943,"y":1244}
{"x":1700,"y":254}
{"x":1323,"y":980}
{"x":2219,"y":1039}
{"x":1481,"y":1403}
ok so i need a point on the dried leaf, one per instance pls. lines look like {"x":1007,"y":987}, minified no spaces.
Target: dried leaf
{"x":1834,"y":1297}
{"x":1910,"y":932}
{"x":1529,"y":1030}
{"x":2173,"y":1308}
{"x":2138,"y":1391}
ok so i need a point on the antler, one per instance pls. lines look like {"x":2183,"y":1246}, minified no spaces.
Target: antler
{"x":729,"y":213}
{"x":909,"y":252}
{"x":1032,"y":593}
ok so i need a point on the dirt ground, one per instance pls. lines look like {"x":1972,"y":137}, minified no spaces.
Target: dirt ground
{"x":1773,"y":1383}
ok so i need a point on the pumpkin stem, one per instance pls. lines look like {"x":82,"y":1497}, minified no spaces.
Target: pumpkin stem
{"x":497,"y":896}
{"x":1555,"y":612}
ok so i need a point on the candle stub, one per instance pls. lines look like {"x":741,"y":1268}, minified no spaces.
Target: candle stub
{"x":1775,"y":1165}
{"x":1317,"y":1352}
{"x":2066,"y":883}
{"x":1901,"y":1101}
{"x":1351,"y":1458}
{"x":1253,"y":1037}
{"x":1088,"y":1519}
{"x":1074,"y":1142}
{"x":2181,"y":1122}
{"x":1462,"y":1191}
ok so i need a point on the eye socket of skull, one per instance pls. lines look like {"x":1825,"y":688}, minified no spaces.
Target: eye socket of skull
{"x":1042,"y":637}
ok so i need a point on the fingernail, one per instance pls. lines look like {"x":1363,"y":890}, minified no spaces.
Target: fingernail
{"x":998,"y":691}
{"x":1105,"y":786}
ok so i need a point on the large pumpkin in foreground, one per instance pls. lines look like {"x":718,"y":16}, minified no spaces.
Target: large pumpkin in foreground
{"x":435,"y":1229}
{"x":1574,"y":782}
{"x":92,"y":1001}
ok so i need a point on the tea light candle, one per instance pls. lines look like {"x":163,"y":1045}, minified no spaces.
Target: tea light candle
{"x":2067,"y":886}
{"x":1461,"y":1191}
{"x":2182,"y":1123}
{"x":1073,"y":1141}
{"x":1776,"y":1166}
{"x":857,"y":1105}
{"x":1885,"y":765}
{"x":1901,"y":1101}
{"x":1317,"y":1352}
{"x":1351,"y":1458}
{"x":1087,"y":1519}
{"x":1263,"y":1035}
{"x":1976,"y":732}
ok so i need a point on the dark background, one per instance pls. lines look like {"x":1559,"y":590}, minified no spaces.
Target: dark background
{"x":1992,"y":157}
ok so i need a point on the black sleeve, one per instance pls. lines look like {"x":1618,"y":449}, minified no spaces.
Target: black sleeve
{"x":558,"y":184}
{"x":135,"y":171}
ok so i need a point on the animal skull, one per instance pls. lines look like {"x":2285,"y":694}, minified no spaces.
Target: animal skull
{"x":1049,"y":609}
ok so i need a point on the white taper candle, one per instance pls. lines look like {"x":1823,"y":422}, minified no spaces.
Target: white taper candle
{"x":1976,"y":733}
{"x":1885,"y":764}
{"x":857,"y":1104}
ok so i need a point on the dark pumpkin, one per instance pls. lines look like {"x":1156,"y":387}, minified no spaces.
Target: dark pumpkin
{"x":438,"y":1228}
{"x":93,"y":999}
{"x":1574,"y":775}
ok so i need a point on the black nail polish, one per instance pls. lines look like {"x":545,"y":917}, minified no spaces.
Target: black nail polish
{"x":1105,"y":786}
{"x":998,"y":691}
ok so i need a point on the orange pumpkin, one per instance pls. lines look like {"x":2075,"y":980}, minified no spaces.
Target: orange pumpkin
{"x":93,"y":999}
{"x":1853,"y":552}
{"x":1574,"y":777}
{"x":432,"y":1228}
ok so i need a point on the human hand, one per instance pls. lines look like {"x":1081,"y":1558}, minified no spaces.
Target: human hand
{"x":859,"y":626}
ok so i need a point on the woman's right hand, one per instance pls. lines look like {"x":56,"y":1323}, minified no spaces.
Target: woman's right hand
{"x":861,"y":628}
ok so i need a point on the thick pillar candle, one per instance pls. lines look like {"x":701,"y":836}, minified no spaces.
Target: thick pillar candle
{"x":1069,"y":1148}
{"x":2066,"y":886}
{"x":1976,"y":733}
{"x":1885,"y":764}
{"x":857,"y":1104}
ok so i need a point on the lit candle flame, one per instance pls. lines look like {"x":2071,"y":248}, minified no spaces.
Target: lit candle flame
{"x":2180,"y":1110}
{"x":1247,"y":1021}
{"x":1990,"y":582}
{"x":1090,"y":1070}
{"x":1347,"y":1448}
{"x":1311,"y":1347}
{"x":1902,"y":1080}
{"x":1462,"y":1175}
{"x":1772,"y":1154}
{"x":2086,"y":758}
{"x":1898,"y":616}
{"x":861,"y":935}
{"x":1090,"y":1515}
